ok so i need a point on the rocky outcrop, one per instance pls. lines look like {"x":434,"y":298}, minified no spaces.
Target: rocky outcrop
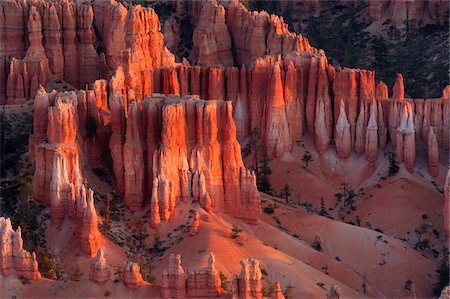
{"x":249,"y":282}
{"x":99,"y":270}
{"x":26,"y":74}
{"x":175,"y":163}
{"x":342,"y":134}
{"x":371,"y":148}
{"x":255,"y":34}
{"x":211,"y":39}
{"x":398,"y":91}
{"x":90,"y":239}
{"x":278,"y":294}
{"x":200,"y":283}
{"x":405,"y":138}
{"x":58,"y":181}
{"x":445,"y":294}
{"x":204,"y":283}
{"x":132,"y":275}
{"x":173,"y":281}
{"x":433,"y":153}
{"x":447,"y":205}
{"x":13,"y":258}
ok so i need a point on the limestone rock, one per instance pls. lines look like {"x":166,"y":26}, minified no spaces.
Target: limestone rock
{"x":173,"y":281}
{"x":371,"y":148}
{"x":406,"y":147}
{"x":342,"y":134}
{"x":132,"y":276}
{"x":398,"y":91}
{"x":13,"y":258}
{"x":90,"y":239}
{"x":447,"y":205}
{"x":249,"y":282}
{"x":211,"y":39}
{"x":99,"y":270}
{"x":204,"y":283}
{"x":433,"y":153}
{"x":278,"y":294}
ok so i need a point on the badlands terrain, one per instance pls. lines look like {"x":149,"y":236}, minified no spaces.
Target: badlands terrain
{"x":199,"y":149}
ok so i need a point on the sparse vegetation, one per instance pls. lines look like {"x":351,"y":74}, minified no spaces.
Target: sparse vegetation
{"x":286,"y":192}
{"x":224,"y":282}
{"x":77,"y":274}
{"x":442,"y":275}
{"x":307,"y":157}
{"x":316,"y":244}
{"x":107,"y":293}
{"x":393,"y":165}
{"x":269,"y":209}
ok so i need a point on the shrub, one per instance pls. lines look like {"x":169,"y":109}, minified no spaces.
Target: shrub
{"x":224,"y":282}
{"x":316,"y":244}
{"x":270,"y":209}
{"x":393,"y":166}
{"x":77,"y":273}
{"x":443,"y":276}
{"x":107,"y":293}
{"x":235,"y":232}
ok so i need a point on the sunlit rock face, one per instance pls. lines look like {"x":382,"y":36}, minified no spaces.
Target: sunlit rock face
{"x":191,"y":151}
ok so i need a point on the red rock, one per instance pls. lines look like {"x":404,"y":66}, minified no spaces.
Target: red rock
{"x":110,"y":19}
{"x":446,"y":118}
{"x":342,"y":134}
{"x":13,"y":258}
{"x":447,"y":204}
{"x":173,"y":281}
{"x":211,"y":39}
{"x":90,"y":239}
{"x":345,"y":89}
{"x":433,"y":153}
{"x":133,"y":160}
{"x":278,"y":294}
{"x":70,"y":47}
{"x":204,"y":283}
{"x":360,"y":133}
{"x":249,"y":282}
{"x":132,"y":276}
{"x":398,"y":91}
{"x":406,"y":147}
{"x":381,"y":92}
{"x":276,"y":136}
{"x":116,"y":104}
{"x":53,"y":40}
{"x":371,"y":148}
{"x":99,"y":270}
{"x":323,"y":120}
{"x":294,"y":109}
{"x":255,"y":34}
{"x":177,"y":153}
{"x":382,"y":128}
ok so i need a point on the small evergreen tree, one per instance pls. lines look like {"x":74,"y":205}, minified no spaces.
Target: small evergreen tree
{"x":235,"y":232}
{"x":393,"y":165}
{"x":307,"y":157}
{"x":286,"y":192}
